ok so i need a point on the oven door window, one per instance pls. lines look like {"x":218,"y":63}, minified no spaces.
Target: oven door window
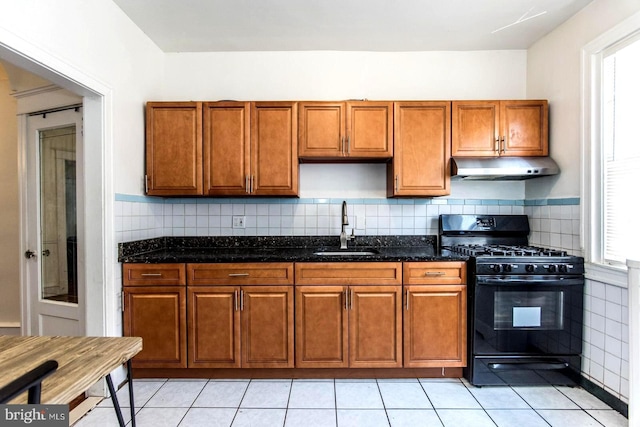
{"x":542,"y":310}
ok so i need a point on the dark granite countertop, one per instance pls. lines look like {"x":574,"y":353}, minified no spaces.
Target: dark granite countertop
{"x":279,"y":249}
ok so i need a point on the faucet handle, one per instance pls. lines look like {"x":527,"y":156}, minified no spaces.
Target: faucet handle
{"x":353,"y":235}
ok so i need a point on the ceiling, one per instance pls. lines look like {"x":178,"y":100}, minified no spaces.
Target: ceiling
{"x":347,"y":25}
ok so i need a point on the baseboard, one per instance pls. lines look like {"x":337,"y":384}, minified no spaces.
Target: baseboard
{"x":81,"y":410}
{"x":10,"y":328}
{"x":605,"y":396}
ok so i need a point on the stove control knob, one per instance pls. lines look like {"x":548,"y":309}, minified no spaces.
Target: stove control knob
{"x":562,"y":268}
{"x":506,"y":268}
{"x":551,"y":268}
{"x":529,"y":268}
{"x":496,"y":267}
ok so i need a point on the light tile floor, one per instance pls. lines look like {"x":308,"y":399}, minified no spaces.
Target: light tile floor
{"x":350,"y":403}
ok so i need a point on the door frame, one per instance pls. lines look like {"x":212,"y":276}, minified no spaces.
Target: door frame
{"x":100,"y":258}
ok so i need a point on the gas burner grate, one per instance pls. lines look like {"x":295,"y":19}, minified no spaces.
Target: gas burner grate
{"x":506,"y":250}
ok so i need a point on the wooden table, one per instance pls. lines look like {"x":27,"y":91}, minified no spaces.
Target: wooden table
{"x":82,"y":362}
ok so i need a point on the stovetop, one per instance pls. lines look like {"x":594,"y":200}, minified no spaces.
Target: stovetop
{"x":505,"y":250}
{"x":499,"y":244}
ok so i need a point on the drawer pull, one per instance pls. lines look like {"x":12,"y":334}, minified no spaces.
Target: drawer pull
{"x":151,"y":274}
{"x":238,"y":274}
{"x":434,"y":273}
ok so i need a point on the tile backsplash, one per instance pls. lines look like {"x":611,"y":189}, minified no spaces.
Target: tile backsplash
{"x":554,"y":222}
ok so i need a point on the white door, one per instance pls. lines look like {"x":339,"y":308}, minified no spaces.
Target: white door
{"x":53,"y":227}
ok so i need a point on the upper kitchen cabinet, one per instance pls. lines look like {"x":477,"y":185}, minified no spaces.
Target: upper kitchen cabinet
{"x":500,"y":128}
{"x":250,"y":149}
{"x":353,"y":130}
{"x":173,"y":149}
{"x":422,"y":150}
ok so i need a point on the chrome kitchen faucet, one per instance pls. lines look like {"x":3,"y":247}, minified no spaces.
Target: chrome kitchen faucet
{"x":345,"y":221}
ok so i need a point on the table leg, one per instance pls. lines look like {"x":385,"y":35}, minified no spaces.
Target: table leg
{"x":130,"y":381}
{"x":114,"y":399}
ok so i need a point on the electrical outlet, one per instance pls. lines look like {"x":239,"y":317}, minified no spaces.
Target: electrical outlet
{"x":239,"y":221}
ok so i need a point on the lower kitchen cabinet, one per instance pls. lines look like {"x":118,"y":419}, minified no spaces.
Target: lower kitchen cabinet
{"x":353,"y":320}
{"x":154,"y":308}
{"x":347,"y":314}
{"x":435,"y":313}
{"x":248,"y":326}
{"x":435,"y":326}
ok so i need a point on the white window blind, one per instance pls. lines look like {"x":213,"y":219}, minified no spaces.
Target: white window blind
{"x":620,"y":150}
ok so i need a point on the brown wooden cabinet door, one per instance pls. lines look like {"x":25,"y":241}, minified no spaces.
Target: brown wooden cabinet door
{"x":274,"y":149}
{"x":158,"y":315}
{"x":369,"y":129}
{"x":174,"y":148}
{"x":524,"y":128}
{"x":475,"y":128}
{"x":226,"y":148}
{"x":435,"y":326}
{"x":214,"y":327}
{"x":321,"y":129}
{"x":422,"y":150}
{"x":321,"y":327}
{"x":375,"y":326}
{"x":267,"y":326}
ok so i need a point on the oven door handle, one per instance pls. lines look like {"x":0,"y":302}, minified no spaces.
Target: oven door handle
{"x":539,"y":366}
{"x":533,"y":281}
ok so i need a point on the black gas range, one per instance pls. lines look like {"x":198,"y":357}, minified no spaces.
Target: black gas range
{"x":525,"y":303}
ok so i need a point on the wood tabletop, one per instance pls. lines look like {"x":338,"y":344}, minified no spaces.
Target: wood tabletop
{"x":82,"y":362}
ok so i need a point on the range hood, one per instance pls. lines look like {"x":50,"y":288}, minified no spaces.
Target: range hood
{"x":502,"y":168}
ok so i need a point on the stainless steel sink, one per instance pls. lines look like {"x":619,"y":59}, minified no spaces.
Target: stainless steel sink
{"x":346,"y":253}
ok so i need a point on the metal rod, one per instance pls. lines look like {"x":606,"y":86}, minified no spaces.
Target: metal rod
{"x":55,"y":110}
{"x":114,"y":399}
{"x":130,"y":380}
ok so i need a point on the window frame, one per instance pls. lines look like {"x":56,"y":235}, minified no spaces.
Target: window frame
{"x":592,"y":151}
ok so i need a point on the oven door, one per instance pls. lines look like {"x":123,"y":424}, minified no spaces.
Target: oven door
{"x":527,"y":315}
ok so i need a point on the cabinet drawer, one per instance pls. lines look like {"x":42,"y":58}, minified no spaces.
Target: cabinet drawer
{"x":349,"y":273}
{"x":444,"y":273}
{"x":153,"y":274}
{"x":267,"y":273}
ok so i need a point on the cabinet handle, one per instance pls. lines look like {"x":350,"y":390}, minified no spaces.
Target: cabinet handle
{"x":235,"y":300}
{"x":351,"y":300}
{"x":342,"y":146}
{"x":496,"y":147}
{"x":346,"y":299}
{"x":406,"y":299}
{"x":252,"y":186}
{"x":504,"y":146}
{"x":122,"y":301}
{"x":434,"y":273}
{"x":241,"y":300}
{"x":151,"y":275}
{"x":348,"y":145}
{"x":238,"y":274}
{"x":146,"y":184}
{"x":396,"y":182}
{"x":246,"y":184}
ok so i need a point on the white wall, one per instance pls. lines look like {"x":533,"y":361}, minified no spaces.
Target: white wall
{"x":99,"y":40}
{"x":351,"y":75}
{"x":553,"y":73}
